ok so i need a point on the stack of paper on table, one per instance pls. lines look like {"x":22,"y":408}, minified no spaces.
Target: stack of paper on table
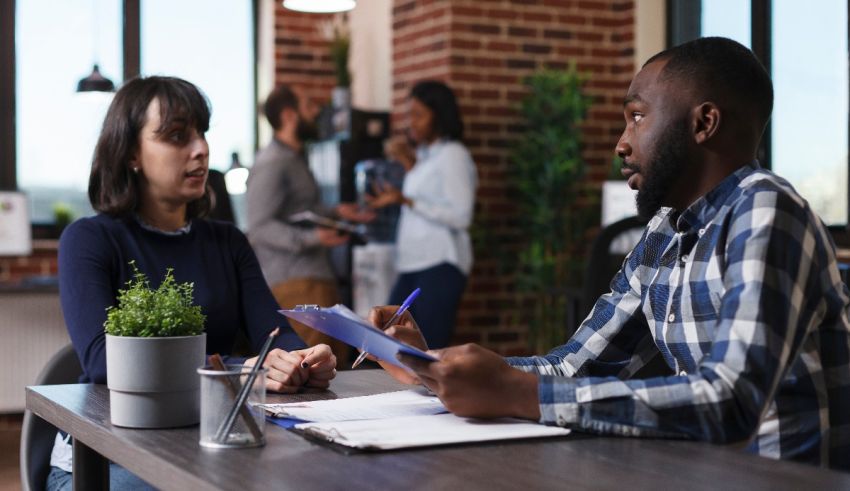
{"x":378,"y":406}
{"x":408,"y":418}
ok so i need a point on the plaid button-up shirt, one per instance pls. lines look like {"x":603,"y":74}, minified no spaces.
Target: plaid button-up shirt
{"x":741,"y":296}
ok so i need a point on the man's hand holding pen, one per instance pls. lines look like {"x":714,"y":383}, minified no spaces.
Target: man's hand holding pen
{"x":403,"y":329}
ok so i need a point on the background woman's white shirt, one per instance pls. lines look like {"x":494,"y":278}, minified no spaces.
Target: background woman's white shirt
{"x":435,"y":229}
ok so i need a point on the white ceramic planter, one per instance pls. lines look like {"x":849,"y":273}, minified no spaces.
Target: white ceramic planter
{"x":153,"y":382}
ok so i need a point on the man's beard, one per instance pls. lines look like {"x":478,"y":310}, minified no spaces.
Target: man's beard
{"x":306,"y":131}
{"x":660,"y":174}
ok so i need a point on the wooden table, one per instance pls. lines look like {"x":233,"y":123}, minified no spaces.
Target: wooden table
{"x":172,"y":459}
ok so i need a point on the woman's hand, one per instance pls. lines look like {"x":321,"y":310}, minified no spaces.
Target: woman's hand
{"x":320,"y":363}
{"x":291,"y":370}
{"x":404,"y":330}
{"x":353,"y":213}
{"x":398,"y":149}
{"x":386,"y":195}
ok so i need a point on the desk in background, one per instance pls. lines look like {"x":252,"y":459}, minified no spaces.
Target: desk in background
{"x":172,"y":459}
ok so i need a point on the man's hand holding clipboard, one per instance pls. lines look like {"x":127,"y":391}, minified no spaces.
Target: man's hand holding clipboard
{"x":341,"y":323}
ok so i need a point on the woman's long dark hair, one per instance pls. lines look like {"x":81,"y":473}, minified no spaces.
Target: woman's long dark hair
{"x":113,"y":187}
{"x":440,"y":99}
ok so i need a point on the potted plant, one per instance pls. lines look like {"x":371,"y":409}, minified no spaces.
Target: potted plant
{"x":336,"y":32}
{"x":63,"y":215}
{"x":154,"y":344}
{"x":549,"y":171}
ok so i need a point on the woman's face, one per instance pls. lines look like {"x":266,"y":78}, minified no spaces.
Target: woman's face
{"x":172,"y":164}
{"x":421,"y":122}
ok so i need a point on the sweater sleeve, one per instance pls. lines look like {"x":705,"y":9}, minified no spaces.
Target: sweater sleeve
{"x":259,"y":308}
{"x":267,"y":195}
{"x":86,"y":289}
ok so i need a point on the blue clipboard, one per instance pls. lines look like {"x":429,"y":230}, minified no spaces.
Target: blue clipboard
{"x":339,"y":322}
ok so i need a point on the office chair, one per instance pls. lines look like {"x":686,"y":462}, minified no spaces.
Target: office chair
{"x":603,"y":262}
{"x":37,"y":435}
{"x":222,"y":209}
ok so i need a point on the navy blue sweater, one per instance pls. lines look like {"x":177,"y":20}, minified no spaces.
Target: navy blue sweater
{"x":94,"y":256}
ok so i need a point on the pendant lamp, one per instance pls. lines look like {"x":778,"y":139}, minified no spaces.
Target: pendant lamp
{"x":95,"y":82}
{"x":236,"y":177}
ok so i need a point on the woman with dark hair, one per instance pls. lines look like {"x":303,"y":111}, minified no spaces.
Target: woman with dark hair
{"x":433,"y":248}
{"x":148,"y":183}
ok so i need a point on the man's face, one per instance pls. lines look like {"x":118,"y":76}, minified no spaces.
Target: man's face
{"x":308,"y":111}
{"x":654,"y":144}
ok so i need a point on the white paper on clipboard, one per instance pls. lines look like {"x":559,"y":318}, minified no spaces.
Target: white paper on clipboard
{"x":339,"y":322}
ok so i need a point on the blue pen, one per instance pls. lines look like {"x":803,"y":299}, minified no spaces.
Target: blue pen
{"x":398,"y":313}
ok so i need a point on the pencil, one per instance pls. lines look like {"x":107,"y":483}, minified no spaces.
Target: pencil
{"x":227,"y":424}
{"x":218,"y":364}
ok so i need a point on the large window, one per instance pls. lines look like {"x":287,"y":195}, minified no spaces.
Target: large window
{"x":805,"y":47}
{"x":215,"y":51}
{"x":57,"y":44}
{"x":208,"y":42}
{"x":809,"y":129}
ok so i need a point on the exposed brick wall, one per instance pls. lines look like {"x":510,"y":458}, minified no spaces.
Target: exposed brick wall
{"x":42,"y":262}
{"x":483,"y":49}
{"x":302,"y":55}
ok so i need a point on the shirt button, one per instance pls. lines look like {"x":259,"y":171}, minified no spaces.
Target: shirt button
{"x":685,"y":258}
{"x":701,"y":232}
{"x":562,"y":421}
{"x":683,"y":373}
{"x":671,"y":317}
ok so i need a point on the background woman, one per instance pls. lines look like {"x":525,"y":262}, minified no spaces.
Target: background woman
{"x":434,"y":251}
{"x":148,"y":183}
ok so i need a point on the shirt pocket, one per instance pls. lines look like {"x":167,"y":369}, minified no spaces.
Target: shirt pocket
{"x":703,"y":309}
{"x":702,"y":306}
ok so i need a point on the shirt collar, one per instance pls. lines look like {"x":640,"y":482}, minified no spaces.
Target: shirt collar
{"x":150,"y":228}
{"x":701,"y":211}
{"x":424,"y":152}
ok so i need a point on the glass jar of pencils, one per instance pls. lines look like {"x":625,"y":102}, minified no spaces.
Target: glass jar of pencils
{"x":230,"y":417}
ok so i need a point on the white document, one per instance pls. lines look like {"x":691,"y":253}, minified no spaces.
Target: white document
{"x":378,"y":406}
{"x":421,"y":431}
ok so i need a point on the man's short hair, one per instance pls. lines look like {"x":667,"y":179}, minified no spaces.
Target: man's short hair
{"x":723,"y":70}
{"x":282,"y":97}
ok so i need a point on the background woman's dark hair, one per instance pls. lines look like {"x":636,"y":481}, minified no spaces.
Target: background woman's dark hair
{"x":113,"y":187}
{"x":440,"y":99}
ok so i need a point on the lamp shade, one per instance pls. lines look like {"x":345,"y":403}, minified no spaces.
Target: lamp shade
{"x":95,"y":82}
{"x":320,"y":6}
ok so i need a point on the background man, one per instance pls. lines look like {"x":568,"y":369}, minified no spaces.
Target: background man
{"x":294,"y":259}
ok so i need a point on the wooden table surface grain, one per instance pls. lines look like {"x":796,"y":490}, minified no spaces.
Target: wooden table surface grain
{"x":172,"y":459}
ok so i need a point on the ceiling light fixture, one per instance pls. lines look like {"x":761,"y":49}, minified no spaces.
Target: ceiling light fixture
{"x":95,"y":82}
{"x":320,"y":6}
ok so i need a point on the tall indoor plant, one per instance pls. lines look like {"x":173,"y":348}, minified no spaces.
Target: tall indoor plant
{"x":154,"y":345}
{"x":336,"y":31}
{"x":548,"y":173}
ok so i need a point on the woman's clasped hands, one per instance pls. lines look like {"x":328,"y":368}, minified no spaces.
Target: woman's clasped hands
{"x":289,"y":371}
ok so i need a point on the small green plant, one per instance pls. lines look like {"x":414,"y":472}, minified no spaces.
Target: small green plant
{"x":165,"y":311}
{"x":63,"y":215}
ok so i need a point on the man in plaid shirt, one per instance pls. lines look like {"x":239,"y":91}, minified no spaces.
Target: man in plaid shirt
{"x":734,"y":283}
